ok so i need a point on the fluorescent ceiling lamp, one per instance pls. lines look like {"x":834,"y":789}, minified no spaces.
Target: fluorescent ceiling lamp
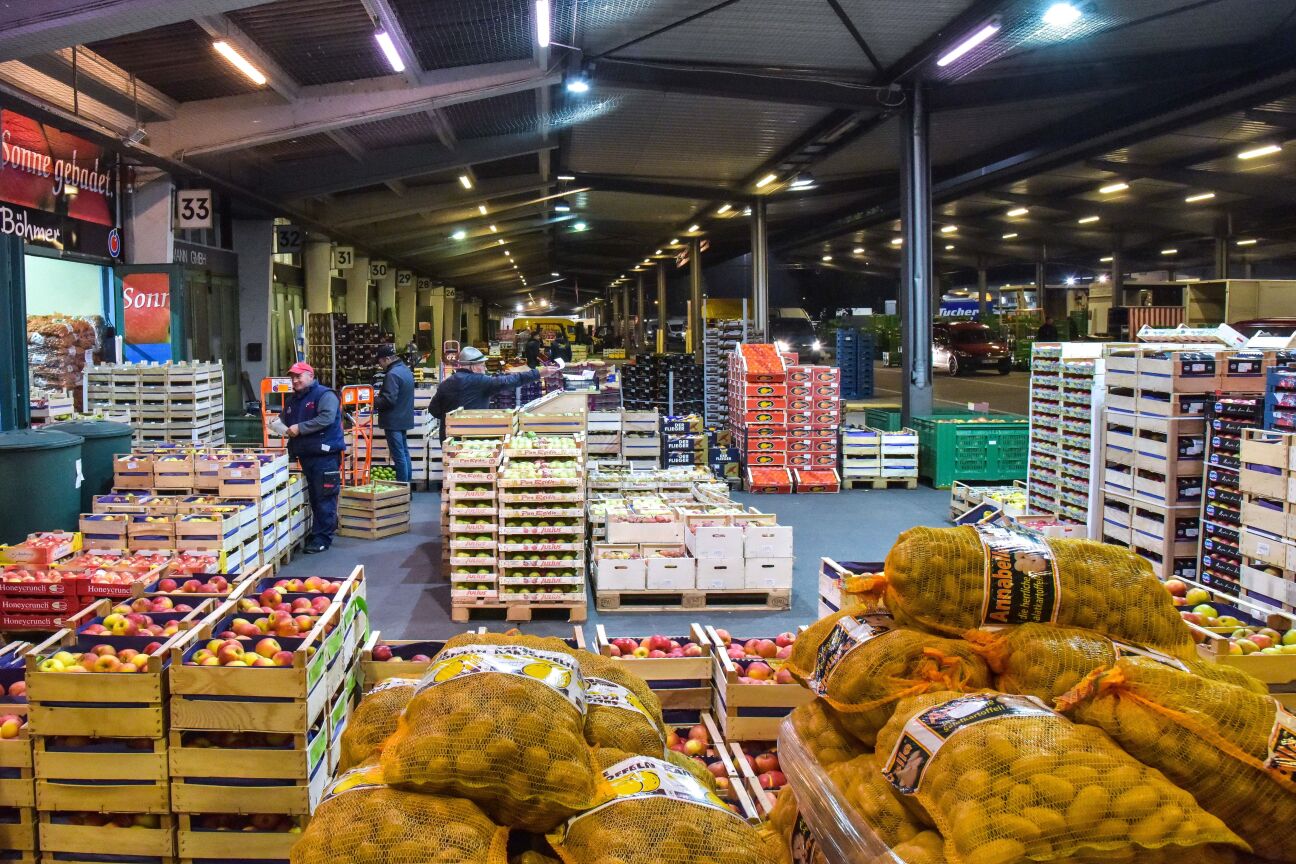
{"x":949,"y":229}
{"x":693,"y":229}
{"x":1088,"y":220}
{"x":389,"y":51}
{"x":802,"y":181}
{"x":1169,"y":251}
{"x":580,"y":226}
{"x":459,"y":235}
{"x":724,"y":208}
{"x":988,"y":30}
{"x":826,"y":258}
{"x":766,"y":180}
{"x":1070,"y":280}
{"x":858,"y":250}
{"x":542,"y":23}
{"x":674,"y":241}
{"x":239,"y":62}
{"x":1112,"y":188}
{"x":508,"y":253}
{"x":1204,"y":196}
{"x":465,"y":181}
{"x":1017,"y":211}
{"x":555,"y":275}
{"x":500,"y":242}
{"x":562,"y":207}
{"x":578,"y":85}
{"x":658,"y":252}
{"x":949,"y":248}
{"x":519,"y":307}
{"x":1257,"y":152}
{"x":1102,"y":277}
{"x":897,"y":241}
{"x":647,"y":260}
{"x":1247,"y":242}
{"x":1010,"y":236}
{"x":1107,"y":260}
{"x":493,"y":229}
{"x":1062,"y":15}
{"x":481,"y":208}
{"x":567,"y":177}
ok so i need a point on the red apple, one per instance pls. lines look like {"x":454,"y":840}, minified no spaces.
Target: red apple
{"x":692,"y":649}
{"x":268,"y":648}
{"x":766,"y":762}
{"x":724,"y":636}
{"x":382,"y":652}
{"x":766,"y":648}
{"x":784,"y":639}
{"x":283,"y":658}
{"x":420,"y":658}
{"x":698,"y":733}
{"x":168,"y":585}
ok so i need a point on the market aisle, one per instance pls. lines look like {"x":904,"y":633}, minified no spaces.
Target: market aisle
{"x":410,"y":599}
{"x":1009,"y":392}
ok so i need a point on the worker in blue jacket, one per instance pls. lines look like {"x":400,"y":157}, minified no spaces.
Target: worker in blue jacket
{"x":395,"y":406}
{"x":312,"y":421}
{"x":471,"y":387}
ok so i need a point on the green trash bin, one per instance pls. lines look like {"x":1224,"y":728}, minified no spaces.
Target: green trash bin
{"x":42,"y":490}
{"x":103,"y":441}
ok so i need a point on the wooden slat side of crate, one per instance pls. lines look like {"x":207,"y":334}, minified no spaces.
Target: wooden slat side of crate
{"x":749,"y":712}
{"x":196,"y":844}
{"x":106,"y":764}
{"x":88,"y":840}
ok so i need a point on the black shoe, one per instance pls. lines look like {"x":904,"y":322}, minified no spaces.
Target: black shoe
{"x":314,"y":548}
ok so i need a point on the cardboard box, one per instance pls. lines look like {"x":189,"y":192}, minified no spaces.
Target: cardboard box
{"x":721,"y":574}
{"x":764,"y":574}
{"x":671,"y":574}
{"x":715,"y":541}
{"x":767,"y":541}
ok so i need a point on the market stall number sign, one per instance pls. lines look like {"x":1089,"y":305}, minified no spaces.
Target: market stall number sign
{"x":377,"y":269}
{"x":343,"y":257}
{"x":288,"y":239}
{"x":193,"y":208}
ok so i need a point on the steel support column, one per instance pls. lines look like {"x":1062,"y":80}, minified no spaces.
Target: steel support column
{"x":1118,"y":275}
{"x":695,"y":299}
{"x":759,"y":311}
{"x":624,"y":323}
{"x":916,"y":267}
{"x":1221,"y":258}
{"x":661,"y":303}
{"x":639,"y":310}
{"x":982,"y":291}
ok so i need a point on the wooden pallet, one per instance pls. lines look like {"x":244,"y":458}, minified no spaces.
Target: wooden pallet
{"x":574,"y":612}
{"x":775,"y":599}
{"x":373,"y":533}
{"x":879,"y":482}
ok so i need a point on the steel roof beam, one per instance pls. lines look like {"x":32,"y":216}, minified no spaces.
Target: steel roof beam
{"x":32,"y":28}
{"x":113,"y":78}
{"x":648,"y":186}
{"x":1261,"y":186}
{"x":760,"y":84}
{"x":233,"y":123}
{"x":325,"y":175}
{"x":58,"y":94}
{"x":367,"y":208}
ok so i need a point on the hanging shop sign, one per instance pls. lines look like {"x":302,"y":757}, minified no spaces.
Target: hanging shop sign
{"x":959,"y":308}
{"x":58,"y":190}
{"x":146,"y":313}
{"x":193,"y":208}
{"x":343,"y":258}
{"x":220,"y":262}
{"x":289,"y":239}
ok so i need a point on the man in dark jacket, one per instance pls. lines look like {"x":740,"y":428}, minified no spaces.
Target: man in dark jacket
{"x":313,"y":417}
{"x":560,"y":348}
{"x":531,"y":350}
{"x":471,"y":387}
{"x":395,"y":406}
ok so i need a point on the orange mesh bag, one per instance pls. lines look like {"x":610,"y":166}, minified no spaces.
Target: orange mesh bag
{"x":502,"y":725}
{"x":1045,"y":661}
{"x":694,"y":767}
{"x":622,"y":711}
{"x":824,"y":733}
{"x":530,"y":857}
{"x":869,"y":793}
{"x":1005,"y":779}
{"x":951,"y":580}
{"x":1234,"y":750}
{"x":861,"y":664}
{"x":374,"y":720}
{"x":659,"y":814}
{"x":362,"y":821}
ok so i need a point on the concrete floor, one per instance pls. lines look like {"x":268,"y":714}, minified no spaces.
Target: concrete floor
{"x":409,"y":598}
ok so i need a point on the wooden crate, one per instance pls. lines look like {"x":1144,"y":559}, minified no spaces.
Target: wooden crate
{"x":832,"y":575}
{"x":102,"y":759}
{"x":108,"y":796}
{"x":479,"y":423}
{"x":19,"y":838}
{"x":195,"y":844}
{"x":751,"y":712}
{"x":683,"y":684}
{"x":78,"y":843}
{"x":1278,"y":671}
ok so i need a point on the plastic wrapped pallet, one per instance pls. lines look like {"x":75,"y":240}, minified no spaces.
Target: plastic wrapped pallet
{"x":1234,"y":750}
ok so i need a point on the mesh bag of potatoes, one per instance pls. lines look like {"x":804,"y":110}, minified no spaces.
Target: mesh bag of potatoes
{"x":861,"y":664}
{"x":824,"y":735}
{"x":658,"y":813}
{"x":374,"y":720}
{"x":865,"y":789}
{"x":360,"y":820}
{"x":789,"y":829}
{"x":951,"y":580}
{"x":1046,"y":662}
{"x":501,"y":724}
{"x":1234,"y":750}
{"x":622,"y":712}
{"x":1005,"y":779}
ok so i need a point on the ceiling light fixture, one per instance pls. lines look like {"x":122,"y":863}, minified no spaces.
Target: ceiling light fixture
{"x":1017,"y":211}
{"x":826,"y":258}
{"x":766,"y":180}
{"x":465,"y":181}
{"x":658,"y":252}
{"x":897,"y":241}
{"x":578,"y":84}
{"x":389,"y":51}
{"x":1169,"y":251}
{"x":500,"y":242}
{"x":239,"y":62}
{"x":1070,"y":280}
{"x":693,"y":229}
{"x":723,"y":209}
{"x":858,"y":250}
{"x":949,"y":229}
{"x":1088,"y":220}
{"x":542,"y":23}
{"x":987,"y":30}
{"x":555,"y":275}
{"x":459,"y":235}
{"x":1257,"y":152}
{"x":1204,"y":196}
{"x":949,"y":248}
{"x":1102,"y":278}
{"x":1062,"y":15}
{"x":494,"y":229}
{"x":1247,"y":242}
{"x":802,"y":181}
{"x":580,"y":226}
{"x":1010,"y":236}
{"x":507,"y":253}
{"x":1112,"y":188}
{"x":567,"y":178}
{"x":1107,"y":260}
{"x":481,"y":208}
{"x":519,"y":307}
{"x":673,"y":241}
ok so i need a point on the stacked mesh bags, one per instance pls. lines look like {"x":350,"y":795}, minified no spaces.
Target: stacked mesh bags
{"x":509,"y":736}
{"x":1000,"y":698}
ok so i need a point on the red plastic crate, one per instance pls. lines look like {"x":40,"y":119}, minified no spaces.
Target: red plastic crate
{"x":817,"y":480}
{"x":769,"y":481}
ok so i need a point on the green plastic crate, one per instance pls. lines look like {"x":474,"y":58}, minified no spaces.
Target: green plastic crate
{"x":886,"y":418}
{"x":997,"y":450}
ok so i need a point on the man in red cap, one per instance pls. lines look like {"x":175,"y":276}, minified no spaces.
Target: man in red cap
{"x":312,"y":416}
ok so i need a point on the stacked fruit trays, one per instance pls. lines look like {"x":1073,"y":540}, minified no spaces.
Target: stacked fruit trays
{"x":758,"y":400}
{"x":855,"y":360}
{"x":542,"y":524}
{"x":17,"y":789}
{"x":469,"y":517}
{"x":100,"y":738}
{"x":257,"y":712}
{"x":721,"y":339}
{"x":1224,"y":508}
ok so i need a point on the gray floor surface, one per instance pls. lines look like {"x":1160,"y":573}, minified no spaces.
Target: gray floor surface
{"x":410,"y":599}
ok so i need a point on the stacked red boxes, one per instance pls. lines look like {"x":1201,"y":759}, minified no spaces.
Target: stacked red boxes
{"x":814,"y":417}
{"x":758,"y":399}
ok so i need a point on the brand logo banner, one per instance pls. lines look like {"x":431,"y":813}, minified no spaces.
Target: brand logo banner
{"x":146,"y":308}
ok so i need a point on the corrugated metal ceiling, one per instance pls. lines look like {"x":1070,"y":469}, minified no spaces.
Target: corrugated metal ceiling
{"x":303,"y":147}
{"x":178,"y":60}
{"x":465,"y":32}
{"x":396,"y":131}
{"x":498,"y":115}
{"x":316,"y":41}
